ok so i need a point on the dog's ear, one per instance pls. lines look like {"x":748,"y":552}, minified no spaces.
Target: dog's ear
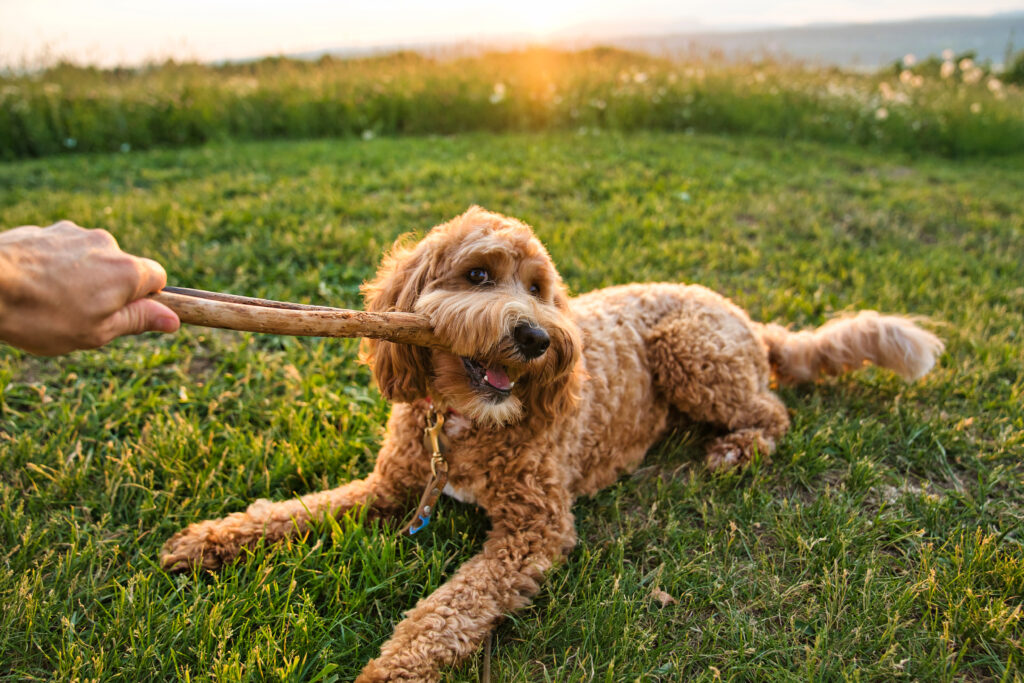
{"x":558,"y":383}
{"x":400,"y":370}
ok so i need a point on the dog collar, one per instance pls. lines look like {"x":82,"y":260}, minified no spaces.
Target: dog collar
{"x":451,"y":412}
{"x":438,"y":471}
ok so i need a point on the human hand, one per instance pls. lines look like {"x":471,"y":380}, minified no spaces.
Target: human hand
{"x":64,"y":288}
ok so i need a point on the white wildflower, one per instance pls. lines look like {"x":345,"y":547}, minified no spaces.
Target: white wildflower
{"x":973,"y":75}
{"x":881,"y":114}
{"x":835,"y":89}
{"x":909,"y":60}
{"x":947,"y":69}
{"x":976,"y":107}
{"x":966,"y":64}
{"x":917,"y":81}
{"x":948,"y":54}
{"x":639,"y":77}
{"x":498,"y":94}
{"x":906,"y":77}
{"x":995,"y":85}
{"x":368,"y":134}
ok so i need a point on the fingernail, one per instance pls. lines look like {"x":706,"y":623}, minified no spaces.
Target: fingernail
{"x":166,"y":323}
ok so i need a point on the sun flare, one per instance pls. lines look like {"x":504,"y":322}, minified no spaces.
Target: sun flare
{"x":541,"y":22}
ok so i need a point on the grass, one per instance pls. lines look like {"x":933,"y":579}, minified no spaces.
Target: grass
{"x":967,"y":111}
{"x":883,"y":541}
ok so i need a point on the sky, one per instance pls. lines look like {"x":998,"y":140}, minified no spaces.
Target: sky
{"x":131,"y":32}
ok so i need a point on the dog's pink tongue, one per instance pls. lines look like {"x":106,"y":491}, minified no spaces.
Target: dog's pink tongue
{"x":497,"y":378}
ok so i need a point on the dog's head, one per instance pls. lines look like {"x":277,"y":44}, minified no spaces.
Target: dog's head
{"x":494,"y":297}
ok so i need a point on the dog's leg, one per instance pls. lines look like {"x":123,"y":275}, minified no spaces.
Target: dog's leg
{"x":401,"y":470}
{"x":768,"y":421}
{"x":215,"y":542}
{"x":710,"y":364}
{"x":452,"y":622}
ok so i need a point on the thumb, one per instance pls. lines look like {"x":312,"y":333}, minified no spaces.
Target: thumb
{"x":142,"y":315}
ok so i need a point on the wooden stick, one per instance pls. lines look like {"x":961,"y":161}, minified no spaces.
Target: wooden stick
{"x":228,"y":311}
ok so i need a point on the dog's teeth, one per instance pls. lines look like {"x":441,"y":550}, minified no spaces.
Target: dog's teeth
{"x":511,"y":384}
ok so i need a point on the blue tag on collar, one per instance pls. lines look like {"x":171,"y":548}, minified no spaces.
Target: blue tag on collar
{"x":423,"y":522}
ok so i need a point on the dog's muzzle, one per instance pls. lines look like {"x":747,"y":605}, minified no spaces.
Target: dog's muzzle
{"x":531,"y":341}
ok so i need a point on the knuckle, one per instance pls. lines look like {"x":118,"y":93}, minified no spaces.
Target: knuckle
{"x":135,"y":275}
{"x":153,"y":270}
{"x":101,"y":236}
{"x":129,"y":268}
{"x":136,"y":320}
{"x":122,"y":277}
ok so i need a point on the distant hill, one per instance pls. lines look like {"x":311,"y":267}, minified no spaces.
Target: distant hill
{"x":856,"y":45}
{"x":848,"y":45}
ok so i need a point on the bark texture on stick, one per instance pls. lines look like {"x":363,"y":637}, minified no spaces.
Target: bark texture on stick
{"x":231,"y":312}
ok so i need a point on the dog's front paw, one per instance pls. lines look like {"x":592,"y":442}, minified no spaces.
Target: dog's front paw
{"x":372,"y":673}
{"x":378,"y":671}
{"x":738,"y":449}
{"x":206,"y":544}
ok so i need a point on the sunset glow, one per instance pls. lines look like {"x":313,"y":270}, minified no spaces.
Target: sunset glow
{"x":123,"y":32}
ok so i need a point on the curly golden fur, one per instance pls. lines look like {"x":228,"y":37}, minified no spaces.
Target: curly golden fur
{"x":535,"y":423}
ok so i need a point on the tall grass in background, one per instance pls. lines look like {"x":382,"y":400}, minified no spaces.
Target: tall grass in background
{"x":951,"y":107}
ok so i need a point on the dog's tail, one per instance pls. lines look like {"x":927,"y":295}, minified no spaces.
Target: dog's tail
{"x":848,"y":342}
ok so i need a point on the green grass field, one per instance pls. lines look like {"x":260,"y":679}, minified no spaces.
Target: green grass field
{"x":883,"y":541}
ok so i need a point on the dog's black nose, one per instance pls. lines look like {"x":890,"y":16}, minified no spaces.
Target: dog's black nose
{"x":531,"y":340}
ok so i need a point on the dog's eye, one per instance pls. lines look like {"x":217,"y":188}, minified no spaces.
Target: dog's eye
{"x":478,"y":276}
{"x":535,"y":289}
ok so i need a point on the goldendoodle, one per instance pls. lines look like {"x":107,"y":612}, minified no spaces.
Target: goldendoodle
{"x":543,"y":399}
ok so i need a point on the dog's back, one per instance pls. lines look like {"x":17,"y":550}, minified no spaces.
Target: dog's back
{"x":647,"y":347}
